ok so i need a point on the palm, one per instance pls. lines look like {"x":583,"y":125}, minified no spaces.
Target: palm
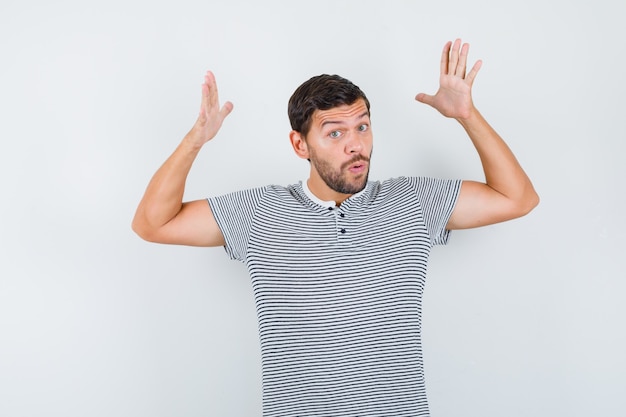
{"x":454,"y":97}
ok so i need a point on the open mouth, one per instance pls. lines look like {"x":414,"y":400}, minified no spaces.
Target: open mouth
{"x":358,"y":167}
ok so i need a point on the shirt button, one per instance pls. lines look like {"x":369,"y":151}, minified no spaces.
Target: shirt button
{"x":342,"y":215}
{"x":343,"y":231}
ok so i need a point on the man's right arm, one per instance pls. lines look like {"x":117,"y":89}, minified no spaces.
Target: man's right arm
{"x":161,"y":216}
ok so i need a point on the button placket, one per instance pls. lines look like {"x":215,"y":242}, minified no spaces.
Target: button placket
{"x":339,"y":216}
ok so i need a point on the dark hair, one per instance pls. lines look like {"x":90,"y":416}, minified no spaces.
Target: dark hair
{"x":321,"y":92}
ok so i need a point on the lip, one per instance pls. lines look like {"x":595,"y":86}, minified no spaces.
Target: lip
{"x":358,"y":167}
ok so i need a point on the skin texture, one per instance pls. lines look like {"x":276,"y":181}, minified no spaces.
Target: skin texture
{"x":339,"y":145}
{"x":161,"y":216}
{"x":507,"y":192}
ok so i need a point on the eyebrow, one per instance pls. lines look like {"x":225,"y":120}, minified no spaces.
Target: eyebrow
{"x":328,"y":122}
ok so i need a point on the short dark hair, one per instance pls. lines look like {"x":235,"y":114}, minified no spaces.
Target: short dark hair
{"x":321,"y":92}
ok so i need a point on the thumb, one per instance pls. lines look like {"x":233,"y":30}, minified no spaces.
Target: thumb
{"x":425,"y":98}
{"x":226,"y":109}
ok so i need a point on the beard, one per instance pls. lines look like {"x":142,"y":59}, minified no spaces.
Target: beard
{"x":338,"y":180}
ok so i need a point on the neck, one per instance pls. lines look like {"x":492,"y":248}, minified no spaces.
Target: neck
{"x":319,"y":189}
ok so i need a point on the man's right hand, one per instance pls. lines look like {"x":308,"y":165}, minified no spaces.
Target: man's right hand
{"x":161,"y":215}
{"x":211,"y":115}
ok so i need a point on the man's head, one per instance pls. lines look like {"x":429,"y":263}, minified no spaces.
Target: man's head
{"x":330,"y":118}
{"x":321,"y":92}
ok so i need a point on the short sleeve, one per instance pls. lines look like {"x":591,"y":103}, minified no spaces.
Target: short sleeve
{"x":437,"y":198}
{"x":234,"y":213}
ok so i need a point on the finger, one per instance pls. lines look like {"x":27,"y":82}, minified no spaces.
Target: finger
{"x":473,"y":72}
{"x":445,"y":56}
{"x":213,"y":97}
{"x":454,"y":57}
{"x":204,"y":90}
{"x":462,"y":65}
{"x":226,"y":109}
{"x":425,"y":98}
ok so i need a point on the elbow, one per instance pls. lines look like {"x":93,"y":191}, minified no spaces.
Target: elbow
{"x":522,"y":204}
{"x":136,"y":227}
{"x":529,"y":202}
{"x":535,"y":201}
{"x":141,"y":230}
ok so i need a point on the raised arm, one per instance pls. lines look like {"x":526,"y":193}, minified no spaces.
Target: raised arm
{"x":162,"y":216}
{"x":507,"y":192}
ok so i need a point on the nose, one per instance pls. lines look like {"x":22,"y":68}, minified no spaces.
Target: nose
{"x":354,"y":144}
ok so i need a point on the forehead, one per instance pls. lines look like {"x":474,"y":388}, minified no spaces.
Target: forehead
{"x":341,"y":114}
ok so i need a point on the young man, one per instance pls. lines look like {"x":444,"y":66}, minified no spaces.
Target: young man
{"x":338,"y":262}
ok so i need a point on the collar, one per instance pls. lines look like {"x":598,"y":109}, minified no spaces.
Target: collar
{"x":329,"y":204}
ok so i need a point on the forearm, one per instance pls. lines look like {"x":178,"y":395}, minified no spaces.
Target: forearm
{"x":503,"y":173}
{"x":163,"y":197}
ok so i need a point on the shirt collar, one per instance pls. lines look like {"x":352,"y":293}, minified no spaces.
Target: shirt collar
{"x":315,"y":199}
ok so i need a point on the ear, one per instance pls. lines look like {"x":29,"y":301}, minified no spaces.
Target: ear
{"x":299,"y":144}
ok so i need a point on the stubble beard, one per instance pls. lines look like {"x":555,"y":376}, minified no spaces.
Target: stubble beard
{"x":337,"y":180}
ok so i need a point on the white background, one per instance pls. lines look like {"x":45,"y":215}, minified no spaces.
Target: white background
{"x":524,"y":318}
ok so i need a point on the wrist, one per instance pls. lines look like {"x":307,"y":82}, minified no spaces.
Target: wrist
{"x":192,"y":142}
{"x":471,"y":117}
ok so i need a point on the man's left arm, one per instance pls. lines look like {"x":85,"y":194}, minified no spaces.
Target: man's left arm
{"x":507,"y":192}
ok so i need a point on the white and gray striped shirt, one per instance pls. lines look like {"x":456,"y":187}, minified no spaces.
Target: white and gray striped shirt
{"x":338,"y":292}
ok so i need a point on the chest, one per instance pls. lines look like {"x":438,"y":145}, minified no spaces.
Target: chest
{"x":311,"y":240}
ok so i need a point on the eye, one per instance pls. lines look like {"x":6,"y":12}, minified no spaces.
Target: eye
{"x":334,"y":134}
{"x":363,"y":128}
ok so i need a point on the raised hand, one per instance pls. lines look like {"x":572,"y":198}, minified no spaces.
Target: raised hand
{"x":454,"y":97}
{"x":211,"y":115}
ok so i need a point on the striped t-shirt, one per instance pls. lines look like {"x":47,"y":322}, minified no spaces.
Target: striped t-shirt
{"x":338,"y":292}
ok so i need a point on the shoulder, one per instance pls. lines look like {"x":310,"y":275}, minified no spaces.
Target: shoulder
{"x":271,"y":196}
{"x":419,"y":188}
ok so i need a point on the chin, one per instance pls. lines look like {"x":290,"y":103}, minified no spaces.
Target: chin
{"x":353,"y":188}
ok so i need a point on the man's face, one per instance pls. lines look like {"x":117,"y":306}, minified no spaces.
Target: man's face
{"x":340,"y":146}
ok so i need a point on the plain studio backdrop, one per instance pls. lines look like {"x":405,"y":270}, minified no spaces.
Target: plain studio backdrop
{"x":524,"y":318}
